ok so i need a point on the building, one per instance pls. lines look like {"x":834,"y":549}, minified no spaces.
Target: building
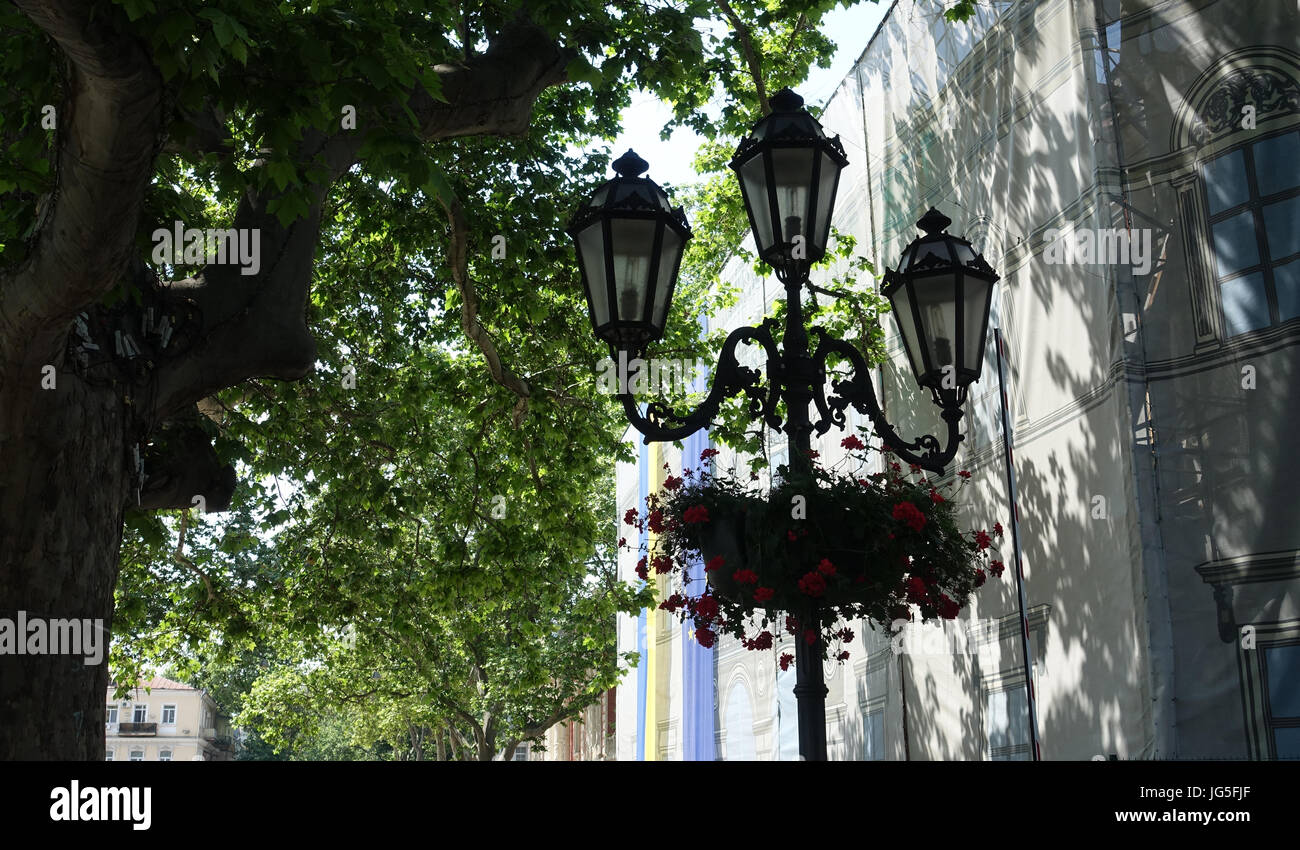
{"x":589,"y":737}
{"x":1151,"y":392}
{"x":162,"y":720}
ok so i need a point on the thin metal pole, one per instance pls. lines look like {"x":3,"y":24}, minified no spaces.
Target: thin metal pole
{"x":1015,"y":541}
{"x":810,"y":687}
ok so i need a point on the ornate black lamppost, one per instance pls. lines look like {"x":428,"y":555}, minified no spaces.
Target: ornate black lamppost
{"x":630,"y":241}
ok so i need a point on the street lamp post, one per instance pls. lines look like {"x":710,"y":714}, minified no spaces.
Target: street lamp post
{"x":630,"y":241}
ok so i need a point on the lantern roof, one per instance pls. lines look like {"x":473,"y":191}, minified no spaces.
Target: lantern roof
{"x":629,"y":192}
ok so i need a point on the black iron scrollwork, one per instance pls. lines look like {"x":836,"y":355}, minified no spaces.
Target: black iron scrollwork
{"x":924,"y":451}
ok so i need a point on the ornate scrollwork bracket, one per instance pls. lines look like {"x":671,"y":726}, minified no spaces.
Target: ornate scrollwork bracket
{"x":924,"y":451}
{"x":661,"y":424}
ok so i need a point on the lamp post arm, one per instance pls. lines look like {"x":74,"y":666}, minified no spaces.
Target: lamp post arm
{"x":661,"y":424}
{"x":924,"y":451}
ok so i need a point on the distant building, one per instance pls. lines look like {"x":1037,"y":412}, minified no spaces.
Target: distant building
{"x":162,"y":720}
{"x":589,"y":737}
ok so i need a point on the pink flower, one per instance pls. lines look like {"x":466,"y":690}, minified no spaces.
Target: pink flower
{"x":812,"y":584}
{"x":948,"y":609}
{"x":696,"y":513}
{"x":909,"y":514}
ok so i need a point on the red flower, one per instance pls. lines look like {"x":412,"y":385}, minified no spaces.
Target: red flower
{"x":704,"y":636}
{"x":843,"y":656}
{"x":997,"y":529}
{"x":814,"y":454}
{"x":786,"y":658}
{"x":671,"y":483}
{"x":982,"y":540}
{"x":672,"y":603}
{"x":745,"y":576}
{"x":714,"y":563}
{"x":812,"y":584}
{"x":641,"y":570}
{"x":696,"y":513}
{"x":662,"y":563}
{"x":810,"y":636}
{"x":706,"y":607}
{"x":763,"y":594}
{"x":935,"y":497}
{"x":763,"y":641}
{"x":964,"y":474}
{"x":791,"y":625}
{"x":630,"y":516}
{"x":915,"y":467}
{"x":846,"y":635}
{"x":656,"y":520}
{"x":851,"y":442}
{"x":916,"y":590}
{"x":622,"y":541}
{"x":790,"y":535}
{"x":826,"y":567}
{"x":948,"y":609}
{"x":996,"y":567}
{"x":910,"y":514}
{"x":980,"y":578}
{"x":708,"y":453}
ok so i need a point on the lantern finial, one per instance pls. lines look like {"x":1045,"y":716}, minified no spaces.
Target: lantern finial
{"x":630,"y":165}
{"x":933,"y":222}
{"x":786,"y":101}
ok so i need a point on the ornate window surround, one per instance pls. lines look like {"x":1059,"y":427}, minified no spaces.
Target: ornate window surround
{"x":1207,"y":125}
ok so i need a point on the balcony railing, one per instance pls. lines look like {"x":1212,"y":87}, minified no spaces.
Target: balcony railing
{"x":137,"y":728}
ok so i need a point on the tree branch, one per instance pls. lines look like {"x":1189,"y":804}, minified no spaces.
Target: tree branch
{"x":751,"y":55}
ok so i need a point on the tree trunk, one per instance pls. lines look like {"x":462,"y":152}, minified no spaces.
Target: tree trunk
{"x":64,"y":479}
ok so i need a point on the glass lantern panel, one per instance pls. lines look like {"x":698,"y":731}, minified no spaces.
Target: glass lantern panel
{"x":753,"y":181}
{"x":591,"y":251}
{"x":669,"y":256}
{"x":633,"y":243}
{"x":792,"y":173}
{"x":901,"y":303}
{"x":936,"y":297}
{"x":976,"y":295}
{"x":827,"y":180}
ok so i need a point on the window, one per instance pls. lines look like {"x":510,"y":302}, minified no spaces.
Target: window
{"x":137,"y":755}
{"x":873,"y":736}
{"x":1252,"y":195}
{"x":169,"y":715}
{"x":1006,"y":724}
{"x":108,"y":756}
{"x":165,"y":755}
{"x":139,"y":713}
{"x":1282,"y":673}
{"x":521,"y":753}
{"x":110,"y":717}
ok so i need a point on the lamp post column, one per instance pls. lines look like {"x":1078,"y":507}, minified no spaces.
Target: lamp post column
{"x":800,"y":373}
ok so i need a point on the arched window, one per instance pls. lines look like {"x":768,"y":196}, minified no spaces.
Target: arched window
{"x":1240,"y":204}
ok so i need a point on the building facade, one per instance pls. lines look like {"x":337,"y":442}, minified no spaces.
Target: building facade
{"x":1132,"y":170}
{"x":162,"y":720}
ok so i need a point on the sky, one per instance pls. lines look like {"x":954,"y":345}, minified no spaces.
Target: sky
{"x":670,"y":161}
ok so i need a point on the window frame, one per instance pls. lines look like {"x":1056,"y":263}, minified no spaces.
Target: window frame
{"x":115,"y":718}
{"x":1254,"y":204}
{"x":130,"y":755}
{"x":141,"y":708}
{"x":164,"y":755}
{"x":162,"y":719}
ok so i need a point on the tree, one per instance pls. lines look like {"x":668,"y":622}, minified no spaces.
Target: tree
{"x":135,"y":377}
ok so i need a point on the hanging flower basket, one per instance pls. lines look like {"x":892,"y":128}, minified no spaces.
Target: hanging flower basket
{"x":855,"y":546}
